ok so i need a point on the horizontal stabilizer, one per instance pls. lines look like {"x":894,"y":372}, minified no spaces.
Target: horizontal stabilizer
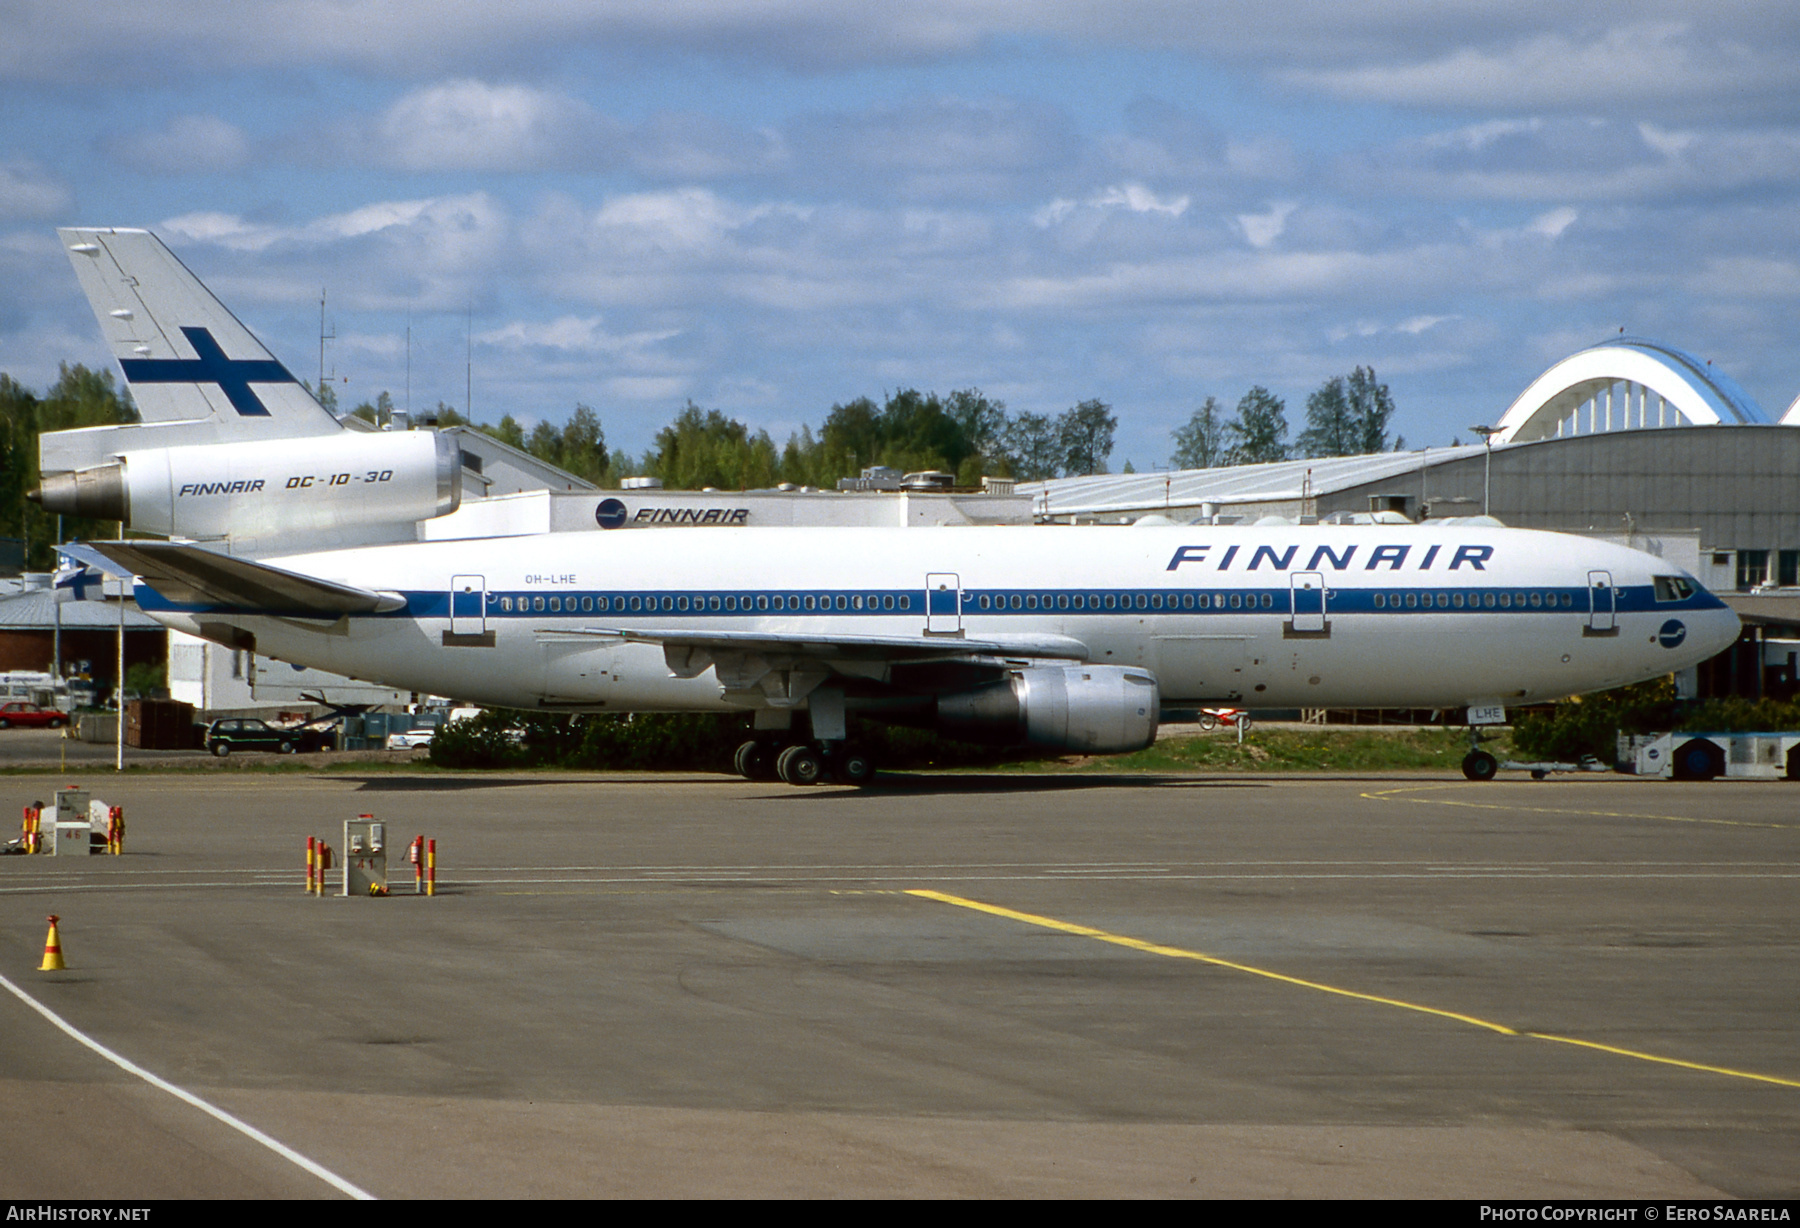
{"x":188,"y":575}
{"x":185,"y":357}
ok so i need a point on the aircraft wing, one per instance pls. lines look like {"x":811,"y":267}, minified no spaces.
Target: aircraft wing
{"x":192,"y":575}
{"x":687,"y":649}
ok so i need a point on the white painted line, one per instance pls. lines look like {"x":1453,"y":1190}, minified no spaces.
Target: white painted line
{"x":130,"y":1067}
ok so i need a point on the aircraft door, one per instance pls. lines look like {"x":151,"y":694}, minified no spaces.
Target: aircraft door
{"x":1306,"y":593}
{"x":468,"y":605}
{"x":1602,"y":602}
{"x":943,"y":604}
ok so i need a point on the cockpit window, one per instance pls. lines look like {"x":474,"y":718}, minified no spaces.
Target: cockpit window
{"x":1673,"y":588}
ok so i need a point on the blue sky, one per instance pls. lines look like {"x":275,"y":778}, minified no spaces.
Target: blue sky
{"x":770,"y":207}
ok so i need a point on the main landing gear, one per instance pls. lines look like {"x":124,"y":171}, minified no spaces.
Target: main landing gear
{"x":803,"y":764}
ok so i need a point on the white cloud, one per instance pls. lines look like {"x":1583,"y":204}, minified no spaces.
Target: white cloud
{"x":1588,"y":159}
{"x":183,"y":145}
{"x":577,"y":334}
{"x":1131,"y":197}
{"x":27,"y":191}
{"x":1552,"y":224}
{"x":1262,"y":229}
{"x":1634,"y":61}
{"x":1667,"y":142}
{"x":471,"y":125}
{"x":1415,"y":325}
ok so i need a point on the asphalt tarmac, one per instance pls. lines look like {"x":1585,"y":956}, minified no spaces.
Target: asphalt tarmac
{"x":991,"y":985}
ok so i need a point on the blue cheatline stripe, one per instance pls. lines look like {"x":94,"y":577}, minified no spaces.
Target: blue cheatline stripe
{"x":664,"y":604}
{"x":741,"y":603}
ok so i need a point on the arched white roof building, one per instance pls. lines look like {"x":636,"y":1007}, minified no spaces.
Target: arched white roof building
{"x":1628,"y":383}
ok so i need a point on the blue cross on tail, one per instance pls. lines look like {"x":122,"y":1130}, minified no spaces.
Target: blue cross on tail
{"x":233,"y":375}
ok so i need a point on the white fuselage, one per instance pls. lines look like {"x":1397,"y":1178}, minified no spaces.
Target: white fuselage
{"x":1303,"y":616}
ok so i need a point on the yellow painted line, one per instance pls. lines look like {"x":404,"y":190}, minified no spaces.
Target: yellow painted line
{"x":1156,"y":948}
{"x":1663,"y":1061}
{"x":1392,"y":795}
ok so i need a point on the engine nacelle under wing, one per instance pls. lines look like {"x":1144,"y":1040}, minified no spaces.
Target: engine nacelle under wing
{"x":268,"y":488}
{"x":1090,"y":709}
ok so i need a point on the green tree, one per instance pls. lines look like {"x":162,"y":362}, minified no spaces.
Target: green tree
{"x":1258,"y":434}
{"x":1331,"y":426}
{"x":1370,"y":407}
{"x":79,"y":398}
{"x":583,"y":445}
{"x":983,"y":423}
{"x":1201,"y":443}
{"x":703,"y":447}
{"x":1032,"y":443}
{"x":1084,"y":437}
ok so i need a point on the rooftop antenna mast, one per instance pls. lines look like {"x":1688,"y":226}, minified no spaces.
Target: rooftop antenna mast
{"x":319,"y":388}
{"x":469,"y":361}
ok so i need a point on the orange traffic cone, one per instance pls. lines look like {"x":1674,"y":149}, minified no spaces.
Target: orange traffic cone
{"x":53,"y":960}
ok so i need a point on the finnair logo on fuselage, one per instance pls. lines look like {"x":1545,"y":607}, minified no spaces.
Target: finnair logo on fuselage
{"x":247,"y":486}
{"x":1392,"y":557}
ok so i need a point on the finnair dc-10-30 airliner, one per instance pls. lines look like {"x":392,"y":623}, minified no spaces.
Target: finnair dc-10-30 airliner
{"x":1063,"y":637}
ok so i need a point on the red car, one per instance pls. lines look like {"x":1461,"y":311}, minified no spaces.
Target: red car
{"x":18,"y":712}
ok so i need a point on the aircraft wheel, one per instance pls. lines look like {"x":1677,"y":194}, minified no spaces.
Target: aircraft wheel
{"x":852,"y":767}
{"x":1479,"y":765}
{"x":755,"y":761}
{"x":800,"y":765}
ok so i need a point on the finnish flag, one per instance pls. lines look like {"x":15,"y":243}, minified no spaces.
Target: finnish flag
{"x":74,"y":581}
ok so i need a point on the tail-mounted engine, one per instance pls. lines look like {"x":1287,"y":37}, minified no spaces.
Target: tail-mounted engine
{"x":265,"y":489}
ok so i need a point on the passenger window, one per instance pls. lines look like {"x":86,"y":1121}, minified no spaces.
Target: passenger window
{"x":506,"y":604}
{"x":556,"y":605}
{"x":537,"y":603}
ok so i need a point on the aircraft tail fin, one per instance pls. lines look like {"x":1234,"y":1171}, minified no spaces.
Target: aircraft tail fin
{"x":185,"y":357}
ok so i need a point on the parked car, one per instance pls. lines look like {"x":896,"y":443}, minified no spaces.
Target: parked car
{"x":411,"y":739}
{"x":18,"y":712}
{"x":248,"y":733}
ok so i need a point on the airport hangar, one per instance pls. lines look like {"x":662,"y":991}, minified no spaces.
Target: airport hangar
{"x":1630,"y":440}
